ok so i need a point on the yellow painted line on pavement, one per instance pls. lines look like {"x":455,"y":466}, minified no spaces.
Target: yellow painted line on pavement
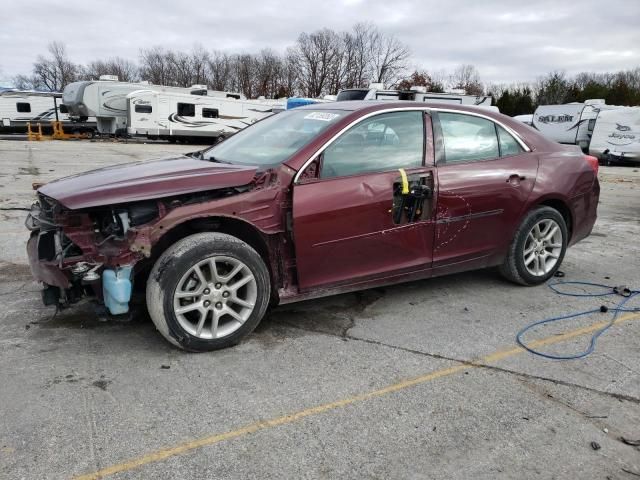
{"x":164,"y":453}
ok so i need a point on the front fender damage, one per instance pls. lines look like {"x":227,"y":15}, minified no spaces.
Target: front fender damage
{"x":102,"y":251}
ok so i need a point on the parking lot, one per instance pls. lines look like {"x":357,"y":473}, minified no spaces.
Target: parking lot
{"x":421,"y":380}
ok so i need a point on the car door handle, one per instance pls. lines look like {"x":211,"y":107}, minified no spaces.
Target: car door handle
{"x":515,"y":179}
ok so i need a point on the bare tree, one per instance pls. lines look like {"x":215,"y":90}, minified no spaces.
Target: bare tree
{"x":199,"y":65}
{"x":268,"y":72}
{"x":316,"y":59}
{"x":156,"y":66}
{"x":25,"y":82}
{"x":53,"y":73}
{"x":388,"y":56}
{"x":466,"y":77}
{"x":289,"y":81}
{"x":124,"y":69}
{"x":357,"y":52}
{"x":180,"y":68}
{"x":551,"y":89}
{"x":219,"y":70}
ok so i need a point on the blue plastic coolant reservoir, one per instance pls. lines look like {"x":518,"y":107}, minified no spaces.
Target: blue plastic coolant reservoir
{"x":116,"y":289}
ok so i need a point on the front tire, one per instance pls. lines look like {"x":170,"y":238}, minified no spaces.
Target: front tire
{"x":538,"y":247}
{"x":208,"y":291}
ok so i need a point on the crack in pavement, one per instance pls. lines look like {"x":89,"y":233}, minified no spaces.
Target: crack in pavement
{"x":471,"y":363}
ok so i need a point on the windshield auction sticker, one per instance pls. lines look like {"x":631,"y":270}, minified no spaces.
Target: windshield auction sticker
{"x":323,"y":116}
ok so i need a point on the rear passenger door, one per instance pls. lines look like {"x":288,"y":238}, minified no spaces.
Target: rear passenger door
{"x":485,"y":175}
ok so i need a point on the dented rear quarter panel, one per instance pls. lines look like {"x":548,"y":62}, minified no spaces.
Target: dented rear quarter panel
{"x":564,"y":175}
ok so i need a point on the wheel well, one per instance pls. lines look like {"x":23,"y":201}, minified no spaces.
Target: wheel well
{"x":564,"y":210}
{"x":231,"y":226}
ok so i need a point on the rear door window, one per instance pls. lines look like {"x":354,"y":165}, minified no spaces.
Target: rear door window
{"x":468,"y":138}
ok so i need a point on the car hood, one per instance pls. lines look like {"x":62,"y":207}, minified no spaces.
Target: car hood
{"x":144,"y":181}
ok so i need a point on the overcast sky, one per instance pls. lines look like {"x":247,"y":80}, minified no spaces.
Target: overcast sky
{"x":507,"y":40}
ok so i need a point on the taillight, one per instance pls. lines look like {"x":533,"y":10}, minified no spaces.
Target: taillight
{"x":593,"y":162}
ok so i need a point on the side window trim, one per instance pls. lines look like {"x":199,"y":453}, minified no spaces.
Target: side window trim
{"x":495,"y":129}
{"x":438,"y":140}
{"x":429,"y":156}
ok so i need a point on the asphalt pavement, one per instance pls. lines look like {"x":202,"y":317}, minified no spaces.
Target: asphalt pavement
{"x":418,"y":381}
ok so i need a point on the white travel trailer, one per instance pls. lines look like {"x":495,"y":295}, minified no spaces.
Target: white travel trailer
{"x":376,"y":91}
{"x":559,"y":122}
{"x":616,"y":135}
{"x":106,"y":99}
{"x":571,"y":123}
{"x":17,"y":108}
{"x":180,"y":116}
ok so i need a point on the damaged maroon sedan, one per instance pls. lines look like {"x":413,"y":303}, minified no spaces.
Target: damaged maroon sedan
{"x":314,"y":201}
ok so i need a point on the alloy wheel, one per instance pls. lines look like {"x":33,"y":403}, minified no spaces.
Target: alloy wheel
{"x":215,"y":297}
{"x":542,"y":248}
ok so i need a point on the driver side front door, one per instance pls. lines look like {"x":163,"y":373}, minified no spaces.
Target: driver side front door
{"x":353,"y":223}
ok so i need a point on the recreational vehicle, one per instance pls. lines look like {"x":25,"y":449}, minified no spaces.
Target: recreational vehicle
{"x":376,"y":91}
{"x":571,"y":123}
{"x":106,"y":99}
{"x":17,"y":108}
{"x":616,"y":135}
{"x":181,"y":116}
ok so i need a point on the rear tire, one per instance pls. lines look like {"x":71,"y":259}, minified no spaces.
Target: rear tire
{"x":538,"y":247}
{"x":208,"y":291}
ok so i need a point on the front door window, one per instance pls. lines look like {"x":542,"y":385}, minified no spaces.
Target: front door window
{"x":382,"y":143}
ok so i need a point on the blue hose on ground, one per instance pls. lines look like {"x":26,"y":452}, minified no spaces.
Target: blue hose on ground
{"x":627,"y":295}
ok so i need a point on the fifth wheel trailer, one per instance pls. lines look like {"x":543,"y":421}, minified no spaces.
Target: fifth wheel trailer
{"x":180,"y":116}
{"x":616,"y":135}
{"x":107,"y":101}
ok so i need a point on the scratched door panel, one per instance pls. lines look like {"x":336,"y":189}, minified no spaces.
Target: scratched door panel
{"x":480,"y":206}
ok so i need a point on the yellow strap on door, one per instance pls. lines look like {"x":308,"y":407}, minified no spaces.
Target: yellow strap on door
{"x":405,"y":181}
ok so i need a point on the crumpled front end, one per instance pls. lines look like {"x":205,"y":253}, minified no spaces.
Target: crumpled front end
{"x":81,"y":254}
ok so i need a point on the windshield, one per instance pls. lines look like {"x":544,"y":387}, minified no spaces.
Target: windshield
{"x":274,"y":139}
